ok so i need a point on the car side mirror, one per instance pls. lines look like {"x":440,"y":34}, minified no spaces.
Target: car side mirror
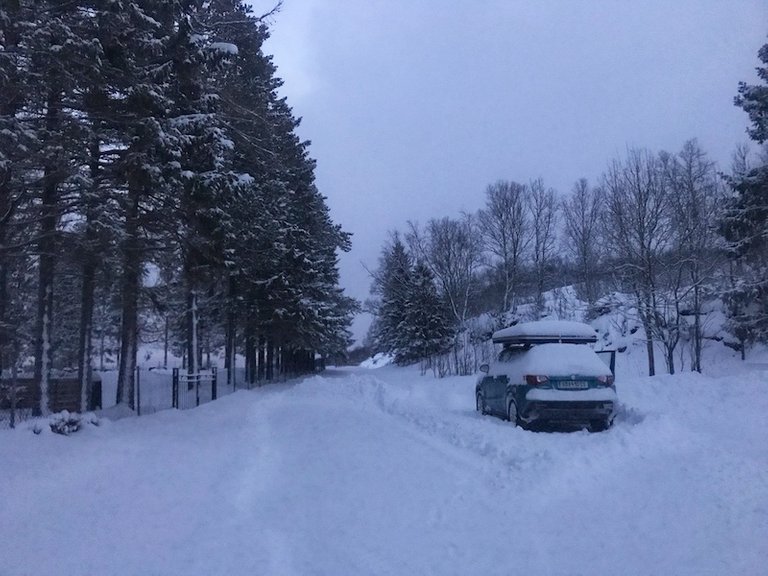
{"x":484,"y":368}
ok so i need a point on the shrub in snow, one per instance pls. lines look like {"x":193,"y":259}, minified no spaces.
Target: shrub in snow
{"x":65,"y":423}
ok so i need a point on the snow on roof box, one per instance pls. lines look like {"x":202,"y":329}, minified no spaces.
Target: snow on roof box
{"x":546,"y":331}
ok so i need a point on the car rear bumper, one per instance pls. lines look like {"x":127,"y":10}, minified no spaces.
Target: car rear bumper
{"x":570,"y":406}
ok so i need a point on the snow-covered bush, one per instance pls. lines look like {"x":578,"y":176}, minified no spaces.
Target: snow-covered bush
{"x":65,"y":423}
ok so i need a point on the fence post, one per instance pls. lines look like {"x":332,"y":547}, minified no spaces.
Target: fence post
{"x":13,"y":394}
{"x":175,"y":388}
{"x":138,"y":390}
{"x":214,"y":389}
{"x":197,"y":389}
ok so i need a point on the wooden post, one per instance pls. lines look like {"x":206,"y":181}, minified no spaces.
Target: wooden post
{"x":175,"y":388}
{"x":138,"y":390}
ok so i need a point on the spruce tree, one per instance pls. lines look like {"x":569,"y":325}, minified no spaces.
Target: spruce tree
{"x":426,"y":330}
{"x":745,"y":222}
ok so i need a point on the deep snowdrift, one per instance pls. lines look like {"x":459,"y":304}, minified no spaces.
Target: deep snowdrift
{"x":387,"y":472}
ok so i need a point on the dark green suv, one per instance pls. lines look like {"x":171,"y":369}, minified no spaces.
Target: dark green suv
{"x":547,"y":371}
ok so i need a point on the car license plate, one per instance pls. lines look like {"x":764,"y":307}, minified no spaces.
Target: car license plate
{"x":573,"y":385}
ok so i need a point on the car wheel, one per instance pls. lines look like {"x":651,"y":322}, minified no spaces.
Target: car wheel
{"x":480,"y":404}
{"x":512,"y":412}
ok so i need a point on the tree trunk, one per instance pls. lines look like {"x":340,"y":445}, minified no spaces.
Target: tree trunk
{"x":231,"y":329}
{"x":47,"y":254}
{"x":131,"y":285}
{"x":507,"y":287}
{"x":644,"y":305}
{"x":696,"y":322}
{"x":101,"y":350}
{"x":85,"y":346}
{"x":671,"y":359}
{"x":8,"y":109}
{"x":232,"y":355}
{"x":193,"y":366}
{"x":250,"y":365}
{"x":270,"y":362}
{"x":261,"y":359}
{"x":4,"y":338}
{"x":649,"y":351}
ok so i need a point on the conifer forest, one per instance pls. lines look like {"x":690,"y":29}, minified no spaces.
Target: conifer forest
{"x":153,"y":189}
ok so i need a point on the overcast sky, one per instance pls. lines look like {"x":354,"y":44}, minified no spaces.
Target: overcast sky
{"x":414,"y":106}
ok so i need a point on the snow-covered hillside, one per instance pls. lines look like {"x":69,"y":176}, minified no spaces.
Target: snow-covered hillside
{"x":619,"y":328}
{"x":388,"y":472}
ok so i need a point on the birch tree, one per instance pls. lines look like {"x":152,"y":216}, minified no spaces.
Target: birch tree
{"x":639,"y":230}
{"x":695,"y":195}
{"x":504,"y":225}
{"x":543,"y":214}
{"x":452,"y":249}
{"x":582,"y":216}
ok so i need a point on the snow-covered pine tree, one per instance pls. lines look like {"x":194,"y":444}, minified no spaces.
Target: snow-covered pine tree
{"x":125,"y":140}
{"x":148,"y":167}
{"x":103,"y":139}
{"x":14,"y":148}
{"x":392,"y":287}
{"x":276,"y":242}
{"x":52,"y":55}
{"x":205,"y":160}
{"x":745,"y":222}
{"x":411,"y":321}
{"x":427,"y":330}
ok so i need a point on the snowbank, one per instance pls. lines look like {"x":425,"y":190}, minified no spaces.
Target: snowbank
{"x":387,"y":472}
{"x":378,"y":361}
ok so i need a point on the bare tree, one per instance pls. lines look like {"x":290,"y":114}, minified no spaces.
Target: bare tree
{"x":453,"y":252}
{"x":542,"y":208}
{"x":452,"y":249}
{"x":505,"y":231}
{"x":582,"y":212}
{"x":695,"y":192}
{"x":740,"y":161}
{"x":639,"y":230}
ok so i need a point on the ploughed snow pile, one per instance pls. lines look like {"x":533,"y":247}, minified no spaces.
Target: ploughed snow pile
{"x":378,"y":361}
{"x":388,"y":472}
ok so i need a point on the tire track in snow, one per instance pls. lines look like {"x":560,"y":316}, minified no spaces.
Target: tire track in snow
{"x":258,"y":460}
{"x":500,"y":457}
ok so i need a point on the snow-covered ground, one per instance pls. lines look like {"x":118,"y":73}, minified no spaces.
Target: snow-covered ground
{"x":388,"y":472}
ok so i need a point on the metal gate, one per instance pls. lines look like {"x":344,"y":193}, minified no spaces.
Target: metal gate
{"x":191,"y":390}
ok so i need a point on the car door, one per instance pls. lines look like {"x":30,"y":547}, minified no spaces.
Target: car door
{"x":497,"y":387}
{"x":485,"y":389}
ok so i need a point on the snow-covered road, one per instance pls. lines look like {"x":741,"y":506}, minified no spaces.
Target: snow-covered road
{"x":387,"y":472}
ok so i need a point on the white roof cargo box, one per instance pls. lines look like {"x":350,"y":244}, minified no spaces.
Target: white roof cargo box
{"x":546,"y":332}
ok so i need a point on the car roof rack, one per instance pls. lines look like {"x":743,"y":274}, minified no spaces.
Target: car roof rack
{"x":546,"y":332}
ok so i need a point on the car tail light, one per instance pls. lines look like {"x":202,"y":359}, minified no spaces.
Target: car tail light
{"x":607,"y":380}
{"x":536,"y":380}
